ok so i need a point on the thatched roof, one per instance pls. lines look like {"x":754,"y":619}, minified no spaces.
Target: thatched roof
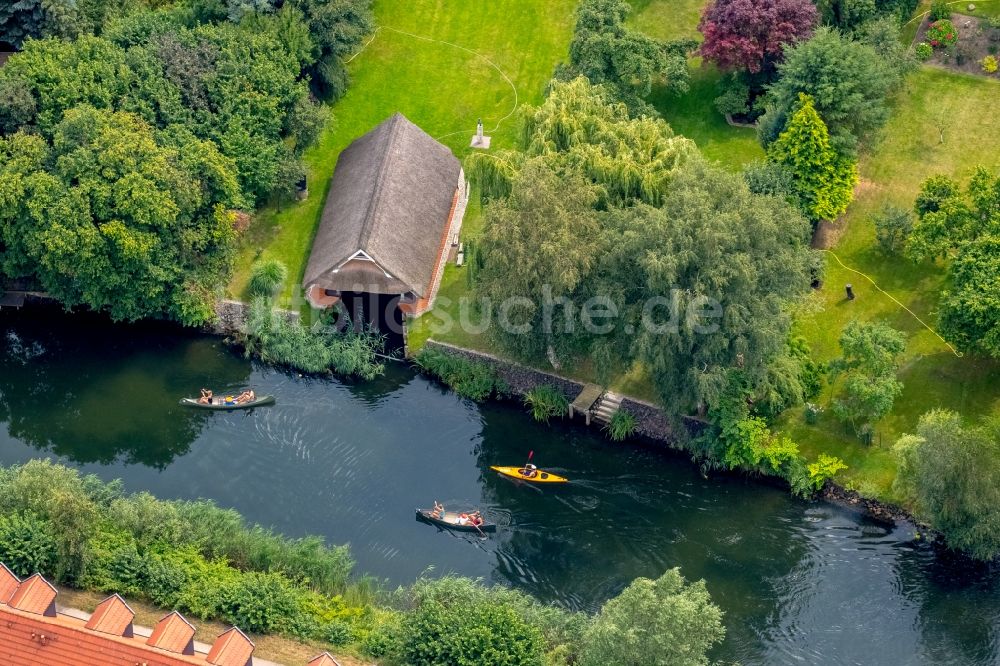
{"x":390,"y":197}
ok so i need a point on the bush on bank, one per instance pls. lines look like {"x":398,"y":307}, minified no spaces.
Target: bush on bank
{"x":209,"y":563}
{"x":469,"y":379}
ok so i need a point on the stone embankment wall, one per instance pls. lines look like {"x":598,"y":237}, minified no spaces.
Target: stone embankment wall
{"x":651,"y":422}
{"x":231,"y":315}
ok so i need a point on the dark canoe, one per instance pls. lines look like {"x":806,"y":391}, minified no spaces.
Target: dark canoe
{"x":217,"y":403}
{"x":450,"y":522}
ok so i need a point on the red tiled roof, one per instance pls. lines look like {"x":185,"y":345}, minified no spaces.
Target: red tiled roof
{"x":32,"y":634}
{"x":8,"y":583}
{"x":174,"y":634}
{"x":35,"y":595}
{"x":323,"y":660}
{"x":27,"y":639}
{"x":112,"y":616}
{"x":232,"y":648}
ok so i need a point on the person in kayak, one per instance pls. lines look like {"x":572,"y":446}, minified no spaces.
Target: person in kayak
{"x":206,"y":397}
{"x":530,"y":471}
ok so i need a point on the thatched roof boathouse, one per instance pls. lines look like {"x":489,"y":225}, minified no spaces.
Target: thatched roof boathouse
{"x":394,"y":210}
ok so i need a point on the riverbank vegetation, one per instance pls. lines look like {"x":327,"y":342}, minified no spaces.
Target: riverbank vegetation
{"x":329,"y":344}
{"x":131,"y":133}
{"x":207,"y":562}
{"x":471,"y":379}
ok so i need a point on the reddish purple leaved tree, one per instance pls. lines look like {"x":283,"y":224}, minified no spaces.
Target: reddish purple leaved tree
{"x":749,"y":34}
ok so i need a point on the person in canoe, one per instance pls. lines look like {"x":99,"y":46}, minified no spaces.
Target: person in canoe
{"x":529,"y":471}
{"x":245,"y":397}
{"x":206,"y":397}
{"x":438,"y":511}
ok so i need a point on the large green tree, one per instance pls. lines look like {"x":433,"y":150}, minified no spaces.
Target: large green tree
{"x":847,"y":80}
{"x":655,"y":623}
{"x":581,"y":127}
{"x":114,"y":216}
{"x":547,"y":234}
{"x":950,"y":471}
{"x":722,"y":264}
{"x":822,"y":180}
{"x":607,"y":52}
{"x":962,"y":226}
{"x":870,"y":356}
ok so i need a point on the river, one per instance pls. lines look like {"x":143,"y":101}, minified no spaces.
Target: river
{"x":800,"y":582}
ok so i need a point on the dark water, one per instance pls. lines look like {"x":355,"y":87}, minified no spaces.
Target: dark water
{"x":801,"y":583}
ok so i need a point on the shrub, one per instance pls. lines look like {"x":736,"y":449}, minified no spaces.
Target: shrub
{"x":266,"y":277}
{"x":924,"y":51}
{"x":27,"y":545}
{"x":666,"y":621}
{"x":469,"y":379}
{"x":942,"y":34}
{"x":621,"y":426}
{"x":455,"y":621}
{"x":989,"y":64}
{"x":824,"y":468}
{"x":276,"y":339}
{"x":949,"y":470}
{"x":940,"y":9}
{"x":222,"y":533}
{"x":545,"y":402}
{"x":261,"y":603}
{"x":337,"y":633}
{"x":892,"y":228}
{"x":734,"y":99}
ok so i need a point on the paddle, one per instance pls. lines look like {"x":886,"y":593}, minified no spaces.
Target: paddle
{"x":524,"y":469}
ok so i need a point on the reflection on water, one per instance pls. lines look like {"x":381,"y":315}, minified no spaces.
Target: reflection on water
{"x":799,"y":582}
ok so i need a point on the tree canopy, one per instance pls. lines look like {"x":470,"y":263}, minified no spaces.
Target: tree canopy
{"x":114,"y":215}
{"x":654,"y":622}
{"x":822,"y":180}
{"x":581,"y":127}
{"x":963,"y":226}
{"x":950,"y":470}
{"x":870,"y":357}
{"x":752,"y":34}
{"x":847,"y":80}
{"x":221,"y":113}
{"x":607,"y":52}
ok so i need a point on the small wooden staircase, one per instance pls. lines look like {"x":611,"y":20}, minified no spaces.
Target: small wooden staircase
{"x":606,"y":406}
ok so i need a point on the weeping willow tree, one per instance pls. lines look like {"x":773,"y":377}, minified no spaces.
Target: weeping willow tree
{"x":581,"y":128}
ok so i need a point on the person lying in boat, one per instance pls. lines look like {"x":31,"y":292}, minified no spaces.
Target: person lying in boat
{"x":529,"y":471}
{"x":245,"y":397}
{"x":438,"y":511}
{"x":206,"y":397}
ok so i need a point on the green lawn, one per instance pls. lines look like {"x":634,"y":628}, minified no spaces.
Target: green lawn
{"x":667,"y":19}
{"x":694,"y":114}
{"x":909,"y":152}
{"x":442,"y":88}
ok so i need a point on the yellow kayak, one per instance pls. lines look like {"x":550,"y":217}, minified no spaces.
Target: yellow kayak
{"x":540,"y":476}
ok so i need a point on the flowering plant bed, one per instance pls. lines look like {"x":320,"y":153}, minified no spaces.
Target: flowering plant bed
{"x":961,"y":43}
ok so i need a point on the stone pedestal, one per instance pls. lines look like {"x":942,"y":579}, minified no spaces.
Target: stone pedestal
{"x":479,"y":141}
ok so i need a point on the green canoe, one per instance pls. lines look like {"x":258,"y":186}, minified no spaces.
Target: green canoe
{"x":219,"y":403}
